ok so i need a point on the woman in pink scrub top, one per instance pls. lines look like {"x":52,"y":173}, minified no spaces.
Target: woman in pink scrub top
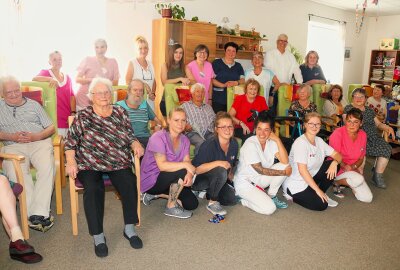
{"x":92,"y":67}
{"x":66,"y":104}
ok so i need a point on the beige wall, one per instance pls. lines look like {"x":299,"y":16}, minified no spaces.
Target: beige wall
{"x":124,"y":21}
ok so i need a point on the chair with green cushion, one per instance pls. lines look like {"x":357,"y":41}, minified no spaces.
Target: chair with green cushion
{"x":171,"y":97}
{"x":231,"y":91}
{"x":317,"y":89}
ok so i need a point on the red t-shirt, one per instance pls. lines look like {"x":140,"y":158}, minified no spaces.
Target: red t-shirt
{"x":243,"y":107}
{"x":350,"y":151}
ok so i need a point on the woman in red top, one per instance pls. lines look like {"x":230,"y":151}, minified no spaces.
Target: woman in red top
{"x":243,"y":107}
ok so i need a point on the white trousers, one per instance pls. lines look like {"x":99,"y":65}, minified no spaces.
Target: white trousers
{"x":357,"y":183}
{"x":40,"y":155}
{"x":258,"y":200}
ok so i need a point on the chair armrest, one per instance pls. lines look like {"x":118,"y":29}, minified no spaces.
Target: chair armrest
{"x":57,"y":140}
{"x":12,"y":156}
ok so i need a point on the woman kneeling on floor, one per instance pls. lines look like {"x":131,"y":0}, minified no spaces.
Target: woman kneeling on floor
{"x":312,"y":174}
{"x":214,"y":163}
{"x":257,"y":171}
{"x":100,"y":141}
{"x":351,"y":143}
{"x":166,"y":170}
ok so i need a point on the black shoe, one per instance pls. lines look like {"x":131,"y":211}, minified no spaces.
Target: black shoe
{"x":135,"y":241}
{"x":101,"y":250}
{"x":40,"y":223}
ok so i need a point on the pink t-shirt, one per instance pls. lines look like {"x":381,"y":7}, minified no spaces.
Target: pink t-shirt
{"x":91,"y":68}
{"x":350,"y":150}
{"x":204,"y":76}
{"x":64,"y":93}
{"x":160,"y":142}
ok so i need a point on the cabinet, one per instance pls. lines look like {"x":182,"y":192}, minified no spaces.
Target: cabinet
{"x":187,"y":33}
{"x":247,"y":44}
{"x":384,"y":67}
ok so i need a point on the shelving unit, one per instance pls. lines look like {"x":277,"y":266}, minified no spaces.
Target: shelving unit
{"x":383,"y":66}
{"x":247,"y":45}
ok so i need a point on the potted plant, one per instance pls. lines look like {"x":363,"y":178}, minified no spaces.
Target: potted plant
{"x":164,"y":9}
{"x":178,"y":12}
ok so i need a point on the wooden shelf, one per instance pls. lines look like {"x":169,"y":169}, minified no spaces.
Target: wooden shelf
{"x":379,"y":56}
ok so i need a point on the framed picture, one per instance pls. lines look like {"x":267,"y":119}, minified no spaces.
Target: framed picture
{"x":347,"y":53}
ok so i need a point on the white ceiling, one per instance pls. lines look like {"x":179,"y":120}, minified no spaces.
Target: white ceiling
{"x":384,"y":7}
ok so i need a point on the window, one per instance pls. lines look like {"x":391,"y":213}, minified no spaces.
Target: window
{"x":327,"y":37}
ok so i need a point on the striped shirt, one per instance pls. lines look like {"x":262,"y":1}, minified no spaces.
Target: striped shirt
{"x":28,"y":117}
{"x":201,"y":118}
{"x":101,"y":143}
{"x":139,"y":118}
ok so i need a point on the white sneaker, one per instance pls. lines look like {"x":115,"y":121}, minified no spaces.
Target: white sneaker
{"x":332,"y":203}
{"x":287,"y":196}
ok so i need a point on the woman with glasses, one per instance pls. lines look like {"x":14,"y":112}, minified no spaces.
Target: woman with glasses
{"x":311,"y":71}
{"x":312,"y":174}
{"x":140,"y":68}
{"x":351,"y":143}
{"x":166,"y":170}
{"x":215,"y":164}
{"x":376,"y":145}
{"x":245,"y":107}
{"x":173,"y":71}
{"x":201,"y":71}
{"x":100,"y":140}
{"x":92,"y":67}
{"x":257,"y":171}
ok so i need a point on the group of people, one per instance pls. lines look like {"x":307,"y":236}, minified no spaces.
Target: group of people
{"x":103,"y":137}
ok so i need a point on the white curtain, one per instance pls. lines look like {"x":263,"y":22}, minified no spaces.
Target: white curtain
{"x":327,"y":37}
{"x":33,"y":29}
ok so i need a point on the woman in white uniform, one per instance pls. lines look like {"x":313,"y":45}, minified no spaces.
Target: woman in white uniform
{"x":140,"y":68}
{"x":257,"y":171}
{"x":312,"y":174}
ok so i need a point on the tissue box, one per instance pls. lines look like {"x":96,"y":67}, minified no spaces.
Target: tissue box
{"x":389,"y":44}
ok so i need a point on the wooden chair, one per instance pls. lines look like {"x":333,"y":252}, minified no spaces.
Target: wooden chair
{"x":76,"y":186}
{"x":16,"y":160}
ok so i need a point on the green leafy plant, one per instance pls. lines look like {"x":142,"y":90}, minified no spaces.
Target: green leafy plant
{"x":161,"y":6}
{"x":195,"y":19}
{"x":297,"y":55}
{"x":178,"y":12}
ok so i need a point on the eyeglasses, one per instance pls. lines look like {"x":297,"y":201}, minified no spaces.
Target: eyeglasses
{"x":105,"y":93}
{"x":15,"y":92}
{"x":314,"y":125}
{"x":283,"y":41}
{"x":226,"y":127}
{"x":147,"y":75}
{"x":359,"y":96}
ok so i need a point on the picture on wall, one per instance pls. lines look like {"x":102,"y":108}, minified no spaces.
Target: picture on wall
{"x":347,"y":53}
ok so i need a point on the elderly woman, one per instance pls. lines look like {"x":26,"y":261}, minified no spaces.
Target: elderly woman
{"x":99,"y":141}
{"x":303,"y":105}
{"x":334,"y":103}
{"x":139,"y":111}
{"x":215,"y":164}
{"x":228,"y":73}
{"x":312,"y":174}
{"x":351,"y":143}
{"x":92,"y":67}
{"x":257,"y":171}
{"x":199,"y":117}
{"x":140,"y":68}
{"x":19,"y":248}
{"x":173,"y":71}
{"x":66,"y":104}
{"x":311,"y":71}
{"x":201,"y":71}
{"x":243,"y":108}
{"x":264,"y":76}
{"x":377,"y":103}
{"x":376,"y":145}
{"x":166,"y":170}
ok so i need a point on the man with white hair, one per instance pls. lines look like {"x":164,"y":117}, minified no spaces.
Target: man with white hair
{"x":199,"y":116}
{"x":26,"y":129}
{"x":283,"y":64}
